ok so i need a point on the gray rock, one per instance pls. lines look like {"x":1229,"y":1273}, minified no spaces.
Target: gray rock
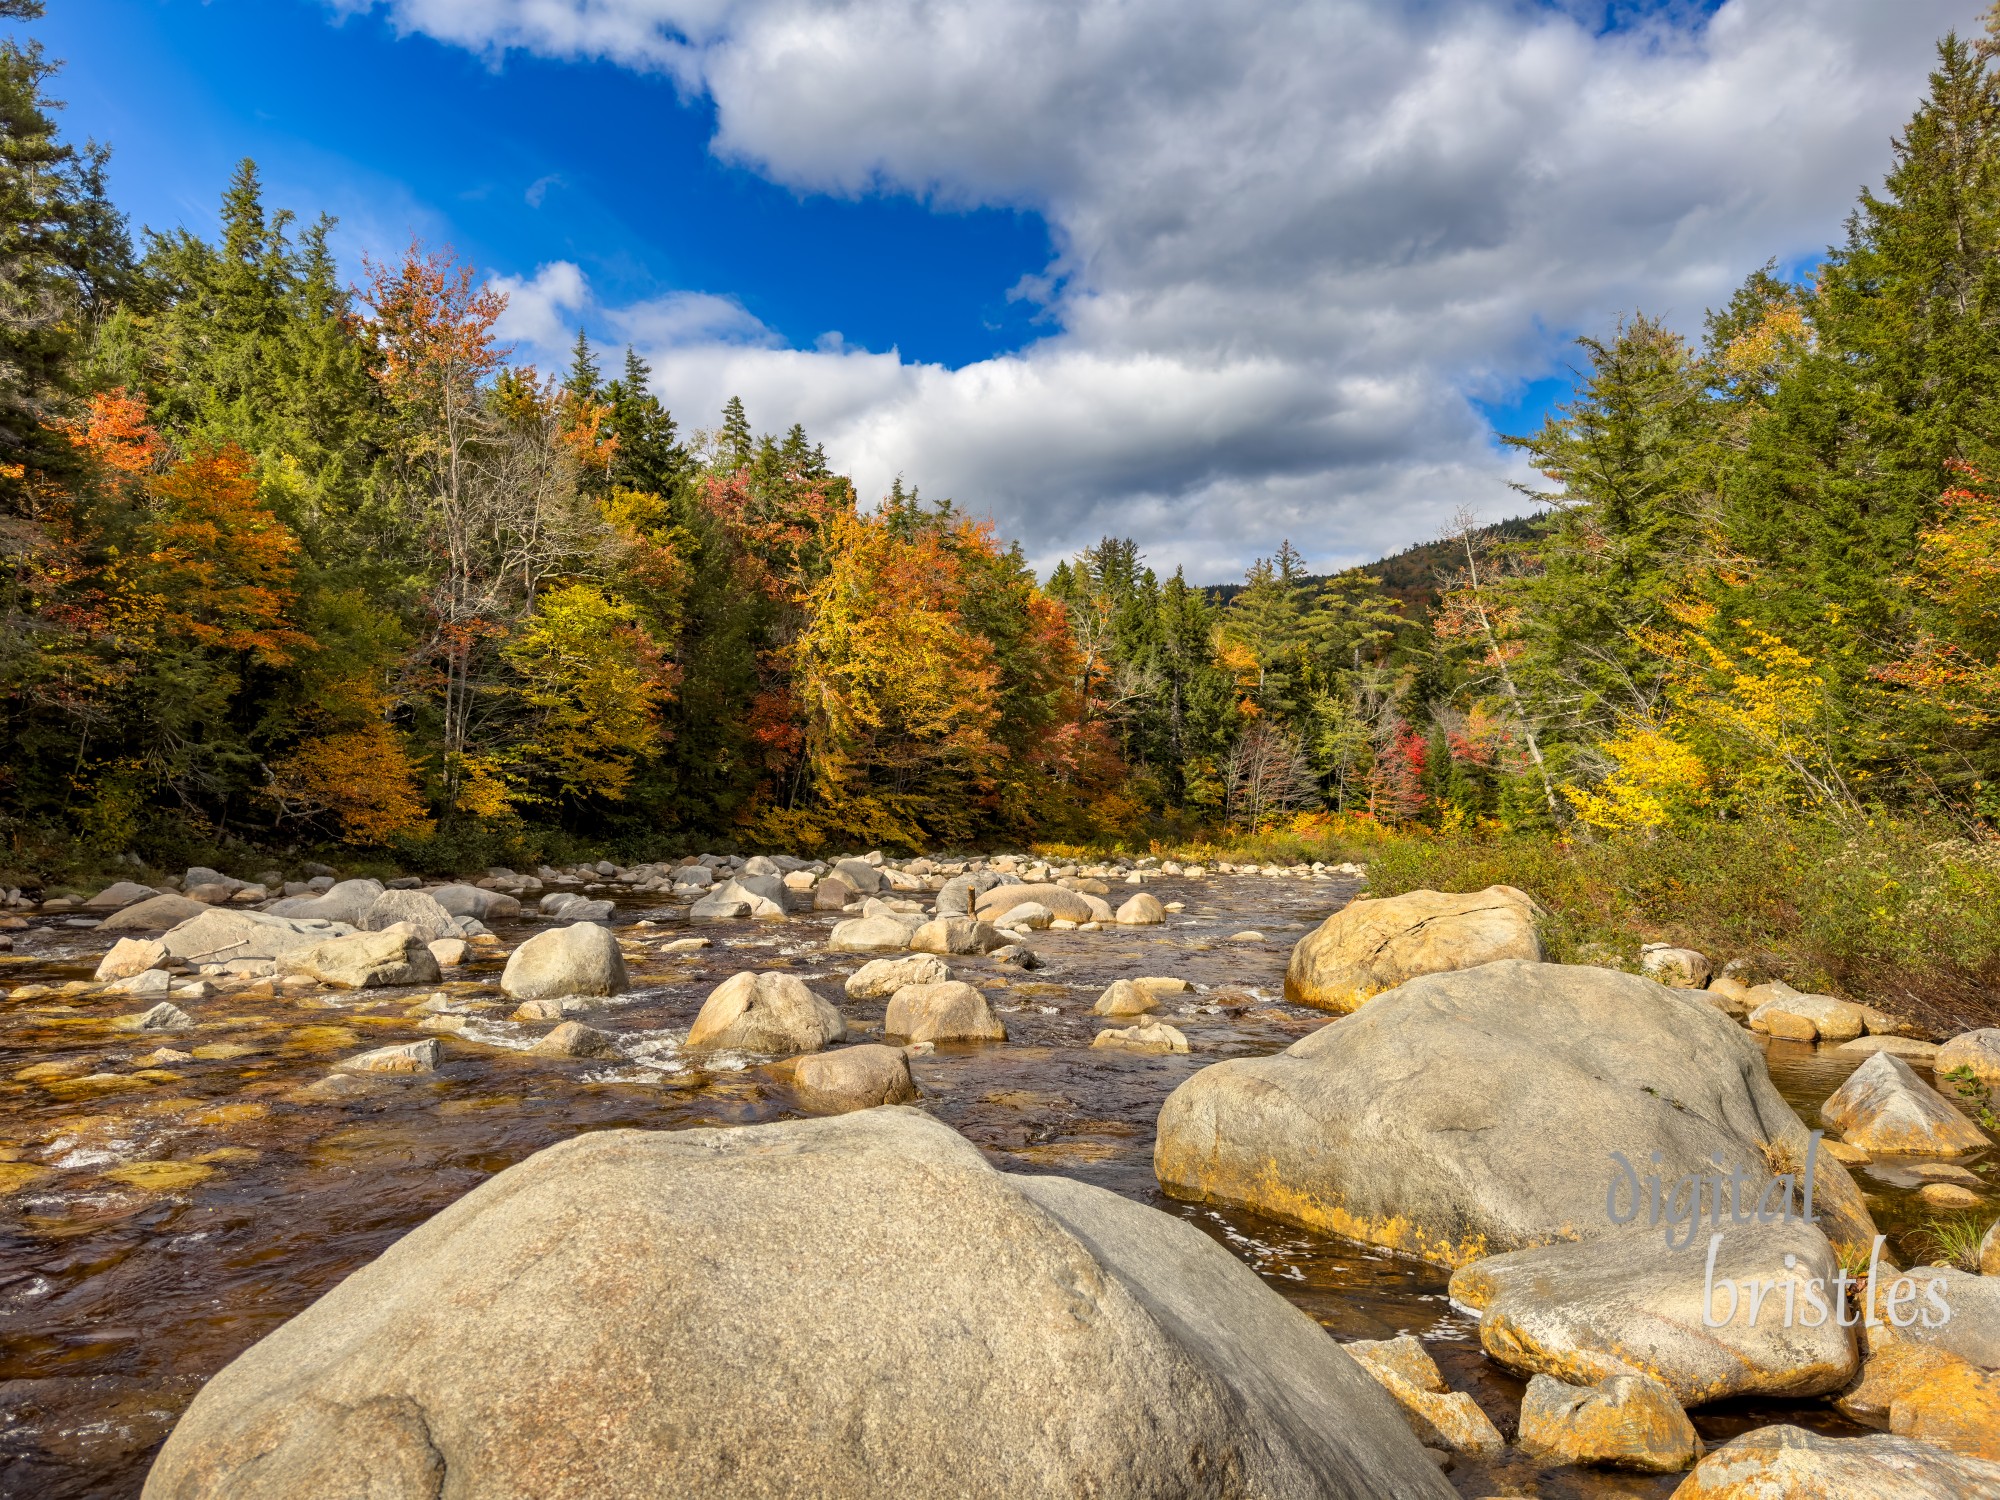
{"x":833,"y":894}
{"x":1124,"y":998}
{"x":217,"y":937}
{"x":1385,"y":1126}
{"x":405,"y":1057}
{"x":1808,"y":1018}
{"x":768,"y":1012}
{"x":950,"y":1012}
{"x":166,"y":1016}
{"x":768,"y":888}
{"x":881,"y":977}
{"x":869,"y":935}
{"x":720,"y":908}
{"x":419,"y":910}
{"x":449,"y":952}
{"x":847,"y":1078}
{"x":1029,"y":914}
{"x":1974,"y":1051}
{"x":129,"y":956}
{"x":1790,"y":1463}
{"x":119,"y":895}
{"x":346,"y":902}
{"x":1369,"y":947}
{"x":932,"y":1327}
{"x":1071,"y":906}
{"x":1441,"y":1418}
{"x":154,"y":914}
{"x":365,"y":960}
{"x":582,"y":959}
{"x":958,"y":935}
{"x":1155,"y":1038}
{"x":864,"y":877}
{"x":1142,"y":910}
{"x":574,"y":1039}
{"x":1973,"y":1330}
{"x":1586,"y":1312}
{"x":146,"y":983}
{"x":1885,"y":1109}
{"x":1676,"y":968}
{"x":476,"y":901}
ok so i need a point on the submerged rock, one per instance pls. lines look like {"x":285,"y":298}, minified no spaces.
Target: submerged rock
{"x":1390,"y":1127}
{"x":1885,"y":1109}
{"x":766,"y":1012}
{"x":406,"y":1057}
{"x":1372,"y":946}
{"x":166,"y":1016}
{"x":574,"y":1039}
{"x":929,"y":1326}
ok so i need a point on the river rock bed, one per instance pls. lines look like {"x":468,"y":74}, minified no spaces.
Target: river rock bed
{"x":174,"y":1195}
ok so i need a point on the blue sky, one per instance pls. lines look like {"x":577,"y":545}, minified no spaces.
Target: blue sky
{"x":402,"y":134}
{"x":1205,"y":278}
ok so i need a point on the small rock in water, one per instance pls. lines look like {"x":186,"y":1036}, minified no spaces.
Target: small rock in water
{"x":164,"y":1055}
{"x":574,"y":1039}
{"x":850,"y":1078}
{"x":1439,"y":1416}
{"x":880,"y":978}
{"x":130,"y":956}
{"x":949,"y":1012}
{"x":1625,"y":1422}
{"x":406,"y":1057}
{"x":1142,"y":910}
{"x":165,"y":1016}
{"x":685,"y":945}
{"x":1125,"y":998}
{"x":767,"y":1012}
{"x":1156,"y":1037}
{"x":1250,"y":935}
{"x":449,"y":952}
{"x":1884,"y":1108}
{"x":1902,"y":1046}
{"x":1948,"y":1195}
{"x":553,"y":1008}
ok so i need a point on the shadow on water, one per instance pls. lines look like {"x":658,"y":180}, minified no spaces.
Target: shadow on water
{"x":160,"y":1219}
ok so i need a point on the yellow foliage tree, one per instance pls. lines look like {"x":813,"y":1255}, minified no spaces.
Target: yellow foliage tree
{"x":591,"y":682}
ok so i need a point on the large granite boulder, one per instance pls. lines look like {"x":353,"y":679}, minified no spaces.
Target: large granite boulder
{"x":1790,"y":1463}
{"x":581,"y":959}
{"x":1886,"y":1110}
{"x":1369,"y":947}
{"x":1467,"y":1114}
{"x":769,"y":1012}
{"x":220,"y":936}
{"x":574,"y":1329}
{"x":1586,"y":1312}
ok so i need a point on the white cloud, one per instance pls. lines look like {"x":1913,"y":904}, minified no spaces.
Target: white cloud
{"x":1290,"y":238}
{"x":542,"y":310}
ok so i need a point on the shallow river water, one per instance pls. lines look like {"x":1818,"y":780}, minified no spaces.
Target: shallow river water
{"x":155,"y":1224}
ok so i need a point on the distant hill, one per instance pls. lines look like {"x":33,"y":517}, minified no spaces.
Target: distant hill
{"x":1410,"y":577}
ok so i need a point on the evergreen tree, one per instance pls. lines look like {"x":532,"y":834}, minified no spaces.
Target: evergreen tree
{"x":735,"y":443}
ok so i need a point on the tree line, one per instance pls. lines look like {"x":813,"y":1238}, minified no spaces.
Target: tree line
{"x":296,"y":563}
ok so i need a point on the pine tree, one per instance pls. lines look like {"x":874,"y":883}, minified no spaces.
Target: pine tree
{"x":583,"y":380}
{"x":735,"y":444}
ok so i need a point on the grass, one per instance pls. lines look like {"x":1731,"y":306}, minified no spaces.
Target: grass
{"x":1897,"y":914}
{"x":1952,"y":1241}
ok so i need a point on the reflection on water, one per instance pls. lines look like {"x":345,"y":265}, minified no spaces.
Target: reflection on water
{"x":161,"y":1215}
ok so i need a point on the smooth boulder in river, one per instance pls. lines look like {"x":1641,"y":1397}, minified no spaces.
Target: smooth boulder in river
{"x":848,"y":1307}
{"x":1464,"y":1115}
{"x":768,"y":1012}
{"x":582,"y":959}
{"x":1369,"y":947}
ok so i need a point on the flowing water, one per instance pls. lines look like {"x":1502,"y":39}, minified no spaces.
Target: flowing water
{"x":159,"y":1220}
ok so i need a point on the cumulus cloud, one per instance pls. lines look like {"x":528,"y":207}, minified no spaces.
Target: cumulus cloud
{"x":1292,"y":240}
{"x":542,"y":309}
